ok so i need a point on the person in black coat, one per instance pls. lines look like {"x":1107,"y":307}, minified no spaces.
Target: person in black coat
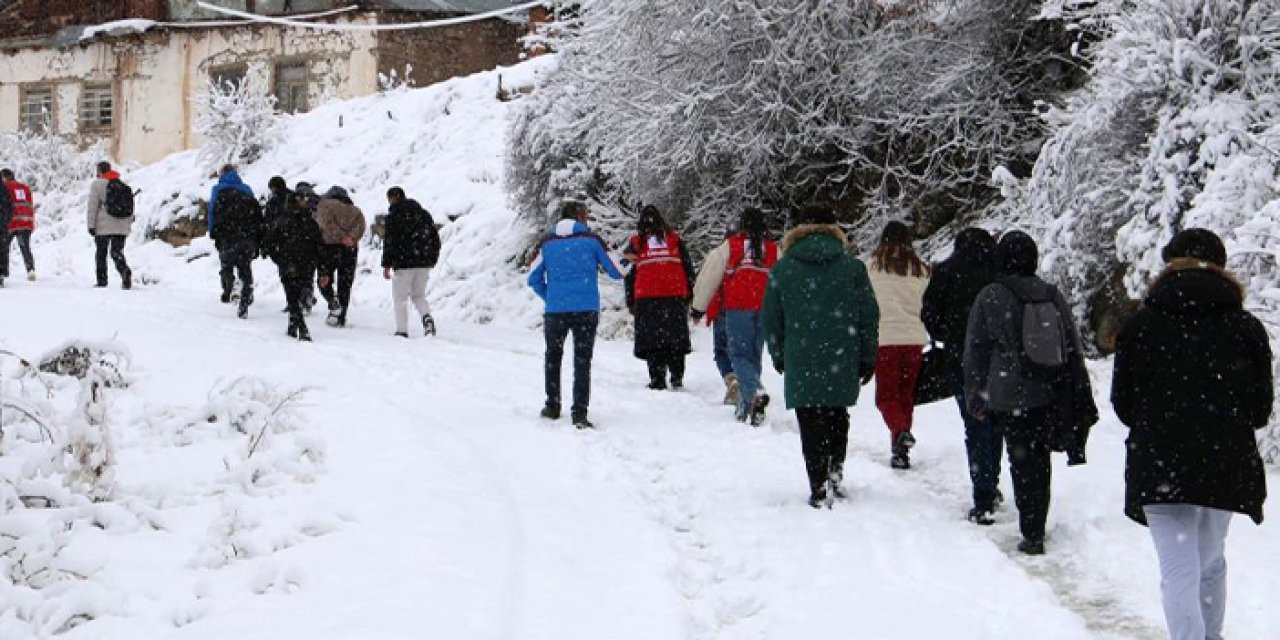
{"x":292,"y":240}
{"x":1193,"y":382}
{"x":952,"y":290}
{"x":410,"y":250}
{"x":1035,"y":388}
{"x":659,"y":289}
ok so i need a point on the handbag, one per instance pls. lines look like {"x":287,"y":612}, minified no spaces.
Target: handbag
{"x":939,"y":375}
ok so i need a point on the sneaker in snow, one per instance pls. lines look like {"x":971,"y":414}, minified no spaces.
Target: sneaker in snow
{"x":900,"y":461}
{"x":428,"y":326}
{"x":732,"y":389}
{"x":758,"y":407}
{"x":550,"y":412}
{"x":981,"y":517}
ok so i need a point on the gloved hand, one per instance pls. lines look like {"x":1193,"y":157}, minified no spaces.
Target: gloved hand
{"x":697,"y":315}
{"x":93,"y":233}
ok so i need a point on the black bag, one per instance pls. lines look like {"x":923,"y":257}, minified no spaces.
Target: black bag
{"x":119,"y":201}
{"x":1044,"y":341}
{"x":237,"y":216}
{"x":939,"y":375}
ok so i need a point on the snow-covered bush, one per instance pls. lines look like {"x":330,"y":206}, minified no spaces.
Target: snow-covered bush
{"x":48,"y":162}
{"x":237,"y":120}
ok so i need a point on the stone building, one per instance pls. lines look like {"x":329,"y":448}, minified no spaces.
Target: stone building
{"x":125,"y":71}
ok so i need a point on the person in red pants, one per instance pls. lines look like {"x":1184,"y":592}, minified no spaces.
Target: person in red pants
{"x":899,"y":278}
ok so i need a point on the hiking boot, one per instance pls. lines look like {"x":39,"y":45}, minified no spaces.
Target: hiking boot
{"x":658,"y":385}
{"x":100,"y":285}
{"x":900,"y":460}
{"x":732,"y":389}
{"x":428,"y":325}
{"x":226,"y":298}
{"x":1031,"y":547}
{"x":981,"y":517}
{"x":303,"y":334}
{"x":581,"y":422}
{"x":758,"y":406}
{"x":550,"y":412}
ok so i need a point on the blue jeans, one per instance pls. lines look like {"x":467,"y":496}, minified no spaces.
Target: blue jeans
{"x":746,"y":350}
{"x":720,"y":331}
{"x":983,"y":442}
{"x":556,"y":328}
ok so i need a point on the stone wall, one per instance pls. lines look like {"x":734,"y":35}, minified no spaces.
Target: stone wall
{"x":442,"y":53}
{"x":41,"y":18}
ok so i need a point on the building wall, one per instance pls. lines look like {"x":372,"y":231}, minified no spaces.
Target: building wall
{"x":155,"y":74}
{"x":31,"y":18}
{"x":447,"y":52}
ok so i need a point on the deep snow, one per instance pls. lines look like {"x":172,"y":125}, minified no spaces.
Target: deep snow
{"x":414,"y":493}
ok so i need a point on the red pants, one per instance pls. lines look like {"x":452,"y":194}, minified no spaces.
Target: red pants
{"x":897,"y":367}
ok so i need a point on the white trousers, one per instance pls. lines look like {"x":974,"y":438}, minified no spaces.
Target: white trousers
{"x":1193,"y":570}
{"x":409,"y":285}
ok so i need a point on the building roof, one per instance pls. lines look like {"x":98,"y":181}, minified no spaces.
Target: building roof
{"x":450,"y":6}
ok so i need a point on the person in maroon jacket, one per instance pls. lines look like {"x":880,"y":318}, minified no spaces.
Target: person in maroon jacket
{"x":21,"y":223}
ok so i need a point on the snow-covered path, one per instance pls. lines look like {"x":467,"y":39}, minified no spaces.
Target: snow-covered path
{"x":449,"y":510}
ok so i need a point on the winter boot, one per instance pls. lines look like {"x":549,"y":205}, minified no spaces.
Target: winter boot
{"x":225,"y":298}
{"x":428,"y":325}
{"x":246,"y":299}
{"x":819,"y":499}
{"x":1032,"y":547}
{"x":551,"y":411}
{"x":758,"y":406}
{"x":902,"y":451}
{"x":658,"y":377}
{"x":304,"y":335}
{"x":126,"y":280}
{"x":981,"y":517}
{"x":732,"y":389}
{"x":580,"y":420}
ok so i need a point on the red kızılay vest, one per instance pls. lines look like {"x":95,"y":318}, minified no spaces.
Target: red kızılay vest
{"x":747,"y":276}
{"x":659,"y":268}
{"x":24,"y":213}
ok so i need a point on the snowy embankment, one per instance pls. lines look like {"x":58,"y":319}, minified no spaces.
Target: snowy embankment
{"x":367,"y":487}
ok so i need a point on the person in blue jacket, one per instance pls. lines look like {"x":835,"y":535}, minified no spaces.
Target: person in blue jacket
{"x":227,"y":179}
{"x":566,"y":277}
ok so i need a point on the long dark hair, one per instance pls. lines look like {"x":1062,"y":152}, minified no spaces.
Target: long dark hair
{"x":651,"y":223}
{"x":895,"y":253}
{"x":754,"y":225}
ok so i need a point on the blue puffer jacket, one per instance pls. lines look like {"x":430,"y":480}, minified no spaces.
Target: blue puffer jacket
{"x":566,"y":274}
{"x":229,"y":180}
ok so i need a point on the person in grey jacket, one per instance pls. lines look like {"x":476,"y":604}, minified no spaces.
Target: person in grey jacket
{"x":109,"y":232}
{"x":1024,"y":404}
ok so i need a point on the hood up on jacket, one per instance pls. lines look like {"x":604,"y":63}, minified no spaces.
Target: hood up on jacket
{"x":1191,"y":287}
{"x":568,"y":227}
{"x":817,"y":243}
{"x":339,"y":194}
{"x":1017,"y":255}
{"x":231,"y":180}
{"x":974,"y":247}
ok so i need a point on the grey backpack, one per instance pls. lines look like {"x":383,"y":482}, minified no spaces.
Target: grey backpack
{"x":1044,"y":340}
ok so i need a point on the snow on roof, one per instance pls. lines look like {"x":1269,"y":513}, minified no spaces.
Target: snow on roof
{"x":119,"y":27}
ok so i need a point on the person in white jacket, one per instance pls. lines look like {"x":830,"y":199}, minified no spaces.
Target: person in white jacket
{"x":899,"y":278}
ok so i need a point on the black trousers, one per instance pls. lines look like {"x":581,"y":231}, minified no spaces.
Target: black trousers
{"x":1027,"y":436}
{"x":824,"y":438}
{"x":296,"y":280}
{"x":23,"y":236}
{"x":556,"y":328}
{"x":114,"y":246}
{"x":237,"y":258}
{"x":337,"y":260}
{"x":660,"y":364}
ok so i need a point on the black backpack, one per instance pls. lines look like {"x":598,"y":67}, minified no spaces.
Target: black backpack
{"x":236,"y":216}
{"x":119,"y":202}
{"x":1044,"y":340}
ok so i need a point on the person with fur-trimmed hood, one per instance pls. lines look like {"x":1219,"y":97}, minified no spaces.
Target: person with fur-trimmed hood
{"x":820,"y":323}
{"x":1193,"y":382}
{"x":659,"y":288}
{"x":1024,"y":367}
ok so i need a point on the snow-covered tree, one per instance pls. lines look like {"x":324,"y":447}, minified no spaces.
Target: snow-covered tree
{"x":237,"y":120}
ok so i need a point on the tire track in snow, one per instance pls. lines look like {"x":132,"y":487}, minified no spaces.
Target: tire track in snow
{"x":1102,"y":610}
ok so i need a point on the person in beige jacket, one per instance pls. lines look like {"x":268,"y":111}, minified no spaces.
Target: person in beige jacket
{"x":109,"y":231}
{"x":342,"y":224}
{"x":899,"y":278}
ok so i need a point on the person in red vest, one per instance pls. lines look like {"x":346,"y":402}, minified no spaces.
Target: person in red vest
{"x":739,"y":271}
{"x":659,"y":288}
{"x":22,"y":222}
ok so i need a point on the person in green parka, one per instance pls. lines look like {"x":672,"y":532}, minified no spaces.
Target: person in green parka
{"x":821,"y":323}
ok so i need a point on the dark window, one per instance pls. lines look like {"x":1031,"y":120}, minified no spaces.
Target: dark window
{"x":226,"y":76}
{"x":97,"y":107}
{"x":291,"y":86}
{"x":36,"y":110}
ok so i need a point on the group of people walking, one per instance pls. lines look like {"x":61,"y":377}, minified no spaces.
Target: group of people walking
{"x":1193,"y":370}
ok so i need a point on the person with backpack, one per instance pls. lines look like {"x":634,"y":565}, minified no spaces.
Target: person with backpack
{"x":342,"y":224}
{"x":1024,"y":367}
{"x":236,"y":230}
{"x":411,"y":249}
{"x":659,"y":288}
{"x":738,"y":272}
{"x":566,"y":276}
{"x":21,"y":223}
{"x":292,"y":240}
{"x":110,"y":218}
{"x":899,"y":278}
{"x":820,"y":324}
{"x":1193,"y":382}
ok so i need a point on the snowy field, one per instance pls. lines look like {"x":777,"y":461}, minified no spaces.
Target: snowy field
{"x":419,"y":495}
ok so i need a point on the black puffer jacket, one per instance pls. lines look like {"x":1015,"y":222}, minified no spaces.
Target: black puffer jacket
{"x":292,"y":238}
{"x":954,"y":287}
{"x":411,"y":241}
{"x":1193,"y":382}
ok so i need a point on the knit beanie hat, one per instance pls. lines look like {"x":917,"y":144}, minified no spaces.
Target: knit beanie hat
{"x":1199,"y":244}
{"x":1017,"y":255}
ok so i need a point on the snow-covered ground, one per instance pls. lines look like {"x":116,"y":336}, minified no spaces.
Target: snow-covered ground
{"x":419,"y":495}
{"x":410,"y":491}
